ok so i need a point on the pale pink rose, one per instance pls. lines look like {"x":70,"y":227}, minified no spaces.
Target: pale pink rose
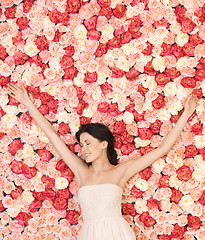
{"x":169,"y":15}
{"x":161,"y":218}
{"x":158,"y":228}
{"x":165,"y":128}
{"x":49,"y":33}
{"x":135,"y":154}
{"x":67,"y":38}
{"x":5,"y":70}
{"x":101,"y":23}
{"x":52,"y":219}
{"x":76,"y":228}
{"x":115,"y":22}
{"x":7,"y":3}
{"x":9,"y":186}
{"x":53,"y":172}
{"x":39,"y":187}
{"x":195,"y":193}
{"x":57,"y":229}
{"x":147,"y":17}
{"x":169,"y":169}
{"x":36,"y":79}
{"x":182,"y":220}
{"x":45,"y":56}
{"x":42,"y":166}
{"x":173,"y":3}
{"x":179,"y":150}
{"x":199,"y":50}
{"x":202,"y":32}
{"x":33,"y":225}
{"x":85,"y":57}
{"x":132,"y":128}
{"x":200,"y":234}
{"x":150,"y":115}
{"x":65,"y":233}
{"x":147,"y":29}
{"x":10,"y":62}
{"x":16,"y":235}
{"x":24,"y":236}
{"x":7,"y":201}
{"x":86,"y":11}
{"x":50,"y":73}
{"x":128,"y":218}
{"x":202,"y":184}
{"x":64,"y":223}
{"x":166,"y":192}
{"x":172,"y":217}
{"x":155,"y":140}
{"x":154,"y":212}
{"x":167,"y":228}
{"x":151,"y":95}
{"x":169,"y":38}
{"x":184,"y":188}
{"x":156,"y":51}
{"x":43,"y":211}
{"x":7,"y":157}
{"x":73,"y":187}
{"x":197,"y":210}
{"x":187,"y":138}
{"x":74,"y":20}
{"x":191,"y":163}
{"x":53,"y":49}
{"x":154,"y":179}
{"x":187,"y":72}
{"x":188,"y":236}
{"x":93,"y":66}
{"x":143,"y":124}
{"x":71,"y":204}
{"x":174,"y":207}
{"x":2,"y":182}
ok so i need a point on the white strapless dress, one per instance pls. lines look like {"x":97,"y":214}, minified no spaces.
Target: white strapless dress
{"x":101,"y":212}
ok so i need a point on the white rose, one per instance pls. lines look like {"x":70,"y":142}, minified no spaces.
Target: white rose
{"x":175,"y":107}
{"x":182,"y":92}
{"x":134,"y":11}
{"x":27,"y":151}
{"x":122,"y":63}
{"x":54,"y":63}
{"x":199,"y":141}
{"x":80,"y":32}
{"x":89,"y":112}
{"x":128,"y":48}
{"x":165,"y":205}
{"x":78,"y":80}
{"x":47,"y":23}
{"x":186,"y":202}
{"x":5,"y":70}
{"x":158,"y":64}
{"x":128,"y":117}
{"x":181,"y":39}
{"x":175,"y":28}
{"x":74,"y":126}
{"x":36,"y":131}
{"x":27,"y":197}
{"x":150,"y":83}
{"x":9,"y":119}
{"x":142,"y":184}
{"x":141,"y":205}
{"x":96,"y":95}
{"x":4,"y":100}
{"x":61,"y":183}
{"x":147,"y":105}
{"x":159,"y":165}
{"x":6,"y":41}
{"x":174,"y":181}
{"x":101,"y":78}
{"x":164,"y":115}
{"x":181,"y":63}
{"x":170,"y":89}
{"x":177,"y":162}
{"x":26,"y":77}
{"x":115,"y":2}
{"x":51,"y":89}
{"x":14,"y":209}
{"x":31,"y":49}
{"x":203,"y":87}
{"x":107,"y":32}
{"x":62,"y":116}
{"x":141,"y":143}
{"x":198,"y":175}
{"x":200,"y":106}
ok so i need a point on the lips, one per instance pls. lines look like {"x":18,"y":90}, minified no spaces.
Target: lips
{"x":86,"y":155}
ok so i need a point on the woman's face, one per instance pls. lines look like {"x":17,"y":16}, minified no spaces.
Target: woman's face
{"x":91,"y":147}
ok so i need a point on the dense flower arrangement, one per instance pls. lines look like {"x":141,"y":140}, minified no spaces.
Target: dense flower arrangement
{"x":129,"y":64}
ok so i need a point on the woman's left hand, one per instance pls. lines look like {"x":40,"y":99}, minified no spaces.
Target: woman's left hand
{"x":191,"y":103}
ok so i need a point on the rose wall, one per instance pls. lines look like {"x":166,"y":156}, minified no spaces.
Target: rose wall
{"x":128,"y":64}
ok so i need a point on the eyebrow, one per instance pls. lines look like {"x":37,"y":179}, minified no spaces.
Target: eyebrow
{"x":84,"y":141}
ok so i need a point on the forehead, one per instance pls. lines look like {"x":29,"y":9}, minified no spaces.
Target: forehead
{"x":86,"y":136}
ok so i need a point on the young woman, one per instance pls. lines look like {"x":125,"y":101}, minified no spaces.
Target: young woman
{"x":101,"y":180}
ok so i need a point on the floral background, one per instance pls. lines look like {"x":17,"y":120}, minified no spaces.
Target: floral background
{"x":129,"y":64}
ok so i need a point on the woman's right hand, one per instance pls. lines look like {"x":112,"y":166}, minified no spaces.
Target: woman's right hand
{"x":19,"y":93}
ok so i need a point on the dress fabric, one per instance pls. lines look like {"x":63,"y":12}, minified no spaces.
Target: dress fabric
{"x":101,"y":212}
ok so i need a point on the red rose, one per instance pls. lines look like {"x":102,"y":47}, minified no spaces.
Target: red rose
{"x":16,"y":193}
{"x":1,"y":12}
{"x":10,"y":12}
{"x":48,"y":181}
{"x":142,"y":90}
{"x":13,"y":101}
{"x":180,"y":13}
{"x":197,"y":128}
{"x":73,"y":6}
{"x":72,"y":216}
{"x":60,"y":203}
{"x":132,"y":74}
{"x":90,"y":77}
{"x":90,"y":23}
{"x":67,"y":173}
{"x":178,"y":232}
{"x":81,"y":106}
{"x":29,"y":172}
{"x":94,"y":35}
{"x":63,"y":128}
{"x":42,"y":43}
{"x":61,"y":165}
{"x":27,"y":5}
{"x":84,"y":120}
{"x":2,"y":113}
{"x":136,"y":192}
{"x":101,"y":50}
{"x":127,"y":148}
{"x":22,"y":22}
{"x":117,"y":73}
{"x":38,"y":61}
{"x":118,"y":141}
{"x":127,"y":138}
{"x":145,"y":174}
{"x":66,"y":62}
{"x":145,"y":133}
{"x":1,"y":206}
{"x":4,"y":80}
{"x":131,"y":106}
{"x":49,"y":194}
{"x":70,"y":73}
{"x":26,"y":118}
{"x":80,"y":92}
{"x":23,"y":218}
{"x":184,"y":173}
{"x":64,"y":193}
{"x":16,"y":166}
{"x":198,"y":92}
{"x":164,"y":181}
{"x":2,"y":134}
{"x":103,"y":107}
{"x":166,"y":49}
{"x":191,"y":151}
{"x":175,"y":118}
{"x":172,"y":72}
{"x":176,"y":195}
{"x":148,"y":49}
{"x":39,"y":196}
{"x":164,"y":237}
{"x":200,"y":13}
{"x":135,"y":21}
{"x":106,"y":88}
{"x":3,"y":53}
{"x":195,"y":39}
{"x":188,"y":49}
{"x":69,"y":51}
{"x":147,"y":219}
{"x":44,"y":154}
{"x":155,"y":126}
{"x":125,"y":37}
{"x":161,"y":23}
{"x":194,"y":222}
{"x":139,"y":116}
{"x":114,"y":110}
{"x":14,"y":146}
{"x":153,"y":203}
{"x":128,"y":209}
{"x":114,"y":43}
{"x":20,"y":58}
{"x":187,"y":25}
{"x":188,"y":82}
{"x":202,"y":198}
{"x":161,"y":79}
{"x":146,"y":149}
{"x":104,"y":3}
{"x":106,"y":11}
{"x":135,"y":31}
{"x":43,"y":109}
{"x":158,"y":102}
{"x":119,"y":11}
{"x":35,"y":205}
{"x":200,"y":74}
{"x":119,"y":127}
{"x":148,"y":69}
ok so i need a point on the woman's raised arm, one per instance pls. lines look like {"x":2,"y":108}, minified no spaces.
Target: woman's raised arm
{"x":131,"y":167}
{"x":74,"y":162}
